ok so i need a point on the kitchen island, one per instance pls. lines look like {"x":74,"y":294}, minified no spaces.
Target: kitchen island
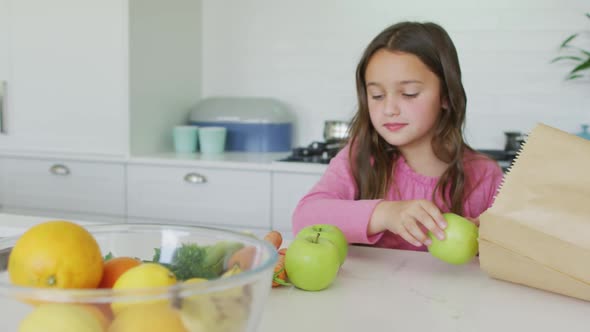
{"x":394,"y":290}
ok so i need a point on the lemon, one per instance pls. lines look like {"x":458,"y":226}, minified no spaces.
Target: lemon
{"x":146,"y":275}
{"x":156,"y":317}
{"x":195,"y":280}
{"x":58,"y":317}
{"x":222,"y":311}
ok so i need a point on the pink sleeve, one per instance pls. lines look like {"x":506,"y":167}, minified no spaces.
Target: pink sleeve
{"x":332,"y":201}
{"x":485,"y":177}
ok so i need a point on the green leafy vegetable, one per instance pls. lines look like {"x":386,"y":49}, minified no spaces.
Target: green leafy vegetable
{"x":193,"y":261}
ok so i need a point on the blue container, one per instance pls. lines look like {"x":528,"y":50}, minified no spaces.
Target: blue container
{"x":584,"y":133}
{"x":253,"y":124}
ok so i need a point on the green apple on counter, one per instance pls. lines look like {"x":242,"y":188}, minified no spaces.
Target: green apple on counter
{"x":461,"y":241}
{"x":328,"y":232}
{"x":312,"y":262}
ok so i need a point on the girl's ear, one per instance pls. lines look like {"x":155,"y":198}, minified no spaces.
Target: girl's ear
{"x":445,"y":103}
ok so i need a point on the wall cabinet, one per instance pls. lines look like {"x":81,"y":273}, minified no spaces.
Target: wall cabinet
{"x":99,"y":77}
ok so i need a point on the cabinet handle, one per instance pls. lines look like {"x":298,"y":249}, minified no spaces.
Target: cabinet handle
{"x":195,"y":178}
{"x":61,"y":170}
{"x":3,"y":91}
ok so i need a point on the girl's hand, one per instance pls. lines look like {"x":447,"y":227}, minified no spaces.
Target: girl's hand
{"x":473,"y":220}
{"x":405,"y":217}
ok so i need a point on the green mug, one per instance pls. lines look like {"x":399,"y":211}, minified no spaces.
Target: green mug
{"x":185,"y":138}
{"x":212,"y":139}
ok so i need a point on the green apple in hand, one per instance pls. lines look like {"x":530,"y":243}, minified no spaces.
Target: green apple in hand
{"x":312,"y":262}
{"x":328,"y":232}
{"x":460,"y":244}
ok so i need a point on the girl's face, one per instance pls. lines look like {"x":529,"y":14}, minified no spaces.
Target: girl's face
{"x":403,"y":97}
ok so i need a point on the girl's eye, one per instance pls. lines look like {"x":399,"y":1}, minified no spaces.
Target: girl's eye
{"x":410,"y":95}
{"x":377,"y":97}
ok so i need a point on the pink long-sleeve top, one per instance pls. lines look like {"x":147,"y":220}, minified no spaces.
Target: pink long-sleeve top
{"x":332,"y":199}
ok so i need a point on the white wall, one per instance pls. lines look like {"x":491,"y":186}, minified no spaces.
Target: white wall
{"x":305,"y":52}
{"x":164,"y":69}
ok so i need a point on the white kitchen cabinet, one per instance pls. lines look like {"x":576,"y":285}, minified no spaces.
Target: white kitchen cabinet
{"x":199,"y":195}
{"x":62,"y":187}
{"x":287,"y":189}
{"x":98,"y":77}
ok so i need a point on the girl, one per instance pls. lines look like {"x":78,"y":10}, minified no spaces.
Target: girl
{"x":406,"y":161}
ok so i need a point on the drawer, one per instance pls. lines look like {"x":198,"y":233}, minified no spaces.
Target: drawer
{"x":218,"y":197}
{"x":62,"y":185}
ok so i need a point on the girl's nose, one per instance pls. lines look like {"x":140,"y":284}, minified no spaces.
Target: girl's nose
{"x":391,"y":107}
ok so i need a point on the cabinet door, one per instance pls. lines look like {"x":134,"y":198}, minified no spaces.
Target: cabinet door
{"x":68,"y":86}
{"x":216,"y":197}
{"x":56,"y":186}
{"x":287,"y":190}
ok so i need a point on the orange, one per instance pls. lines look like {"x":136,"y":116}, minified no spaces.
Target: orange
{"x":56,"y":254}
{"x":114,"y":268}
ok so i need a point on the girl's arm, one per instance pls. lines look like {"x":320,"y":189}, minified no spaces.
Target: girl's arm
{"x":332,"y":201}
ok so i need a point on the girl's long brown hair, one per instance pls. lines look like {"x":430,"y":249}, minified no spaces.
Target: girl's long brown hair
{"x":372,"y":158}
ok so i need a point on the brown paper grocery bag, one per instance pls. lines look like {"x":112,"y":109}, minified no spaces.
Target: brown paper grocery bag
{"x":537,"y":233}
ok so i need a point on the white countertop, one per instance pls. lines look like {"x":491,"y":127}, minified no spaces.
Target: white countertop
{"x":12,"y":224}
{"x":395,"y":290}
{"x":228,"y":160}
{"x":269,"y":161}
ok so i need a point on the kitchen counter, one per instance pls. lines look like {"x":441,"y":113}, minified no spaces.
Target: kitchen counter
{"x":229,"y":160}
{"x":395,"y":290}
{"x":12,"y":224}
{"x":263,"y":161}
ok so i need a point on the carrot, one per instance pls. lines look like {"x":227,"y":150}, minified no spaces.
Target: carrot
{"x":279,"y":277}
{"x":275,"y":238}
{"x":243,"y":258}
{"x":283,"y":251}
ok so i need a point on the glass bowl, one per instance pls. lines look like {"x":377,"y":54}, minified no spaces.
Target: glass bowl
{"x":222,"y":304}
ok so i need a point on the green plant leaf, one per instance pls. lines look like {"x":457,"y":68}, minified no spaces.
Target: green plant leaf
{"x":567,"y":40}
{"x":566,"y":57}
{"x":573,"y":77}
{"x":583,"y":66}
{"x":109,"y":256}
{"x":581,"y":60}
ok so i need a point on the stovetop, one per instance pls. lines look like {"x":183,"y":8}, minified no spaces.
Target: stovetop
{"x":316,"y":152}
{"x":322,"y":152}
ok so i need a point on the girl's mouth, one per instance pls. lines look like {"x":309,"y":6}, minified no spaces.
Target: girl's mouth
{"x":394,"y":126}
